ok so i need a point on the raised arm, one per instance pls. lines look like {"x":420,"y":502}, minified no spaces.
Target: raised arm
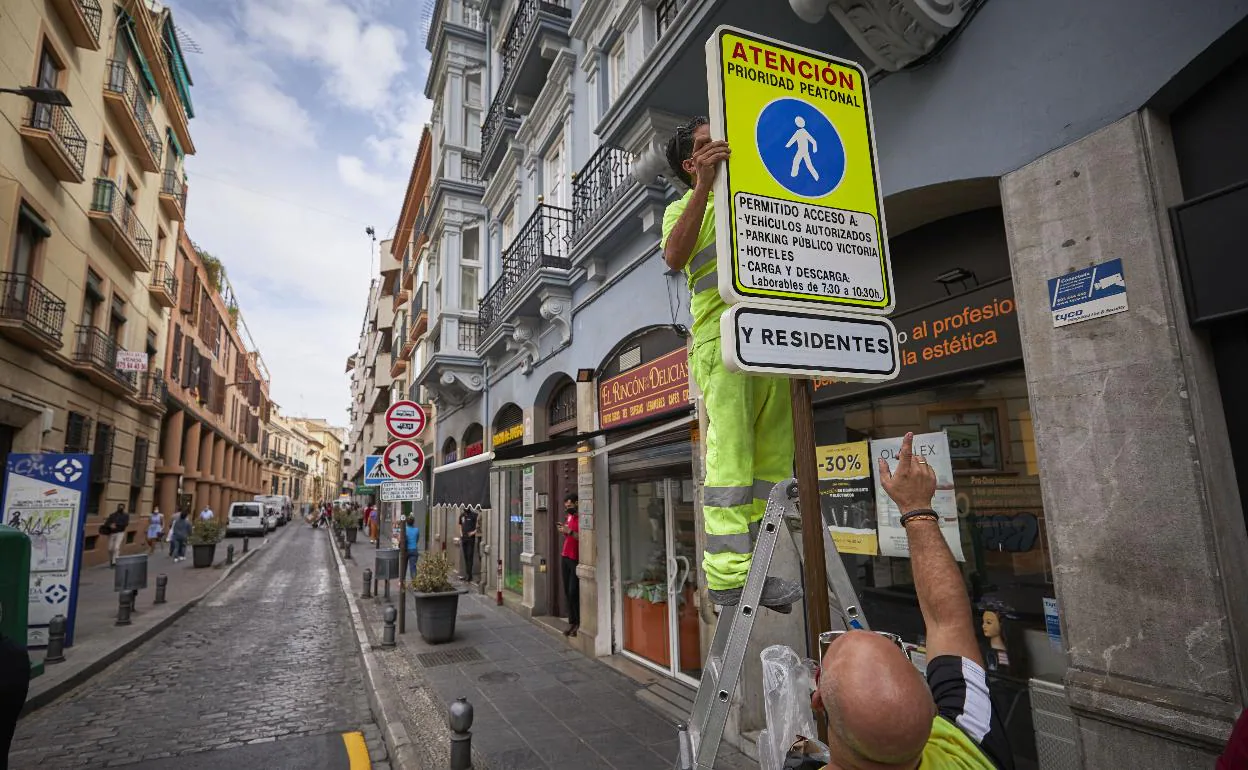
{"x":937,"y":579}
{"x":703,"y":164}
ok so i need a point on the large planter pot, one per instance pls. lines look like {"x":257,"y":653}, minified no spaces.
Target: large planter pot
{"x":351,"y":534}
{"x":203,"y":554}
{"x":435,"y":615}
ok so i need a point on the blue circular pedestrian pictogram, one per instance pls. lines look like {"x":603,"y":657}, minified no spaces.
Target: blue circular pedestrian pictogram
{"x":800,"y":148}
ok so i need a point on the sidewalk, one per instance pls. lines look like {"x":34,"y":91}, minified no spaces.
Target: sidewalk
{"x":538,"y":703}
{"x":98,"y":641}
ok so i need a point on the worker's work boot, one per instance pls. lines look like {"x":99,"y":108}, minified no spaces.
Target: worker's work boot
{"x":778,"y":595}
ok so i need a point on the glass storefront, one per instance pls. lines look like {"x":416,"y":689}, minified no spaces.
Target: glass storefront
{"x":512,"y":506}
{"x":657,"y":563}
{"x":1001,"y":527}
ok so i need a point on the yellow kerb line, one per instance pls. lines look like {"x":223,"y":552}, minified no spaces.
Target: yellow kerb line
{"x":357,"y":751}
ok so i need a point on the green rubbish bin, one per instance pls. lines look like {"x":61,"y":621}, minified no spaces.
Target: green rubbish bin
{"x":15,"y":588}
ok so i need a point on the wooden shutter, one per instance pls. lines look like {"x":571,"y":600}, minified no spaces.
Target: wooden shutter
{"x":138,"y":467}
{"x":102,"y":457}
{"x":176,"y":364}
{"x":218,"y":394}
{"x":77,"y":433}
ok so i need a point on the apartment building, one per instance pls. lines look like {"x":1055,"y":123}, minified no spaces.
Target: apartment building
{"x":289,"y":450}
{"x":325,"y":465}
{"x":217,"y":393}
{"x":1016,"y":143}
{"x":92,"y":200}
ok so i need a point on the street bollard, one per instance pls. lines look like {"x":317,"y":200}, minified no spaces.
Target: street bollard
{"x":347,"y":548}
{"x":162,"y":582}
{"x":134,"y":600}
{"x":387,"y":629}
{"x":246,"y":543}
{"x":368,"y":582}
{"x":56,"y":640}
{"x":123,"y":608}
{"x":461,"y":734}
{"x":386,"y":596}
{"x":229,"y":554}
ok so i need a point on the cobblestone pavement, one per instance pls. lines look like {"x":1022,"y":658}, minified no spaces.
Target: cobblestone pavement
{"x":269,"y":656}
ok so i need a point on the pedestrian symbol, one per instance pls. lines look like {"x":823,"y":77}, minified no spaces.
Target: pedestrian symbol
{"x":800,"y":148}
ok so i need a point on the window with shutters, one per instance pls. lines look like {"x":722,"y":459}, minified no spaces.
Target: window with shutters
{"x":218,"y":394}
{"x":101,"y":466}
{"x":176,"y":363}
{"x":77,"y":434}
{"x":138,"y":470}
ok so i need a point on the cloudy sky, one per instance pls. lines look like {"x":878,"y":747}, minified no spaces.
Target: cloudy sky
{"x":308,"y":117}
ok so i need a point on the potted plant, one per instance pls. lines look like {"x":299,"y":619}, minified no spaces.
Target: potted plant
{"x":437,"y":601}
{"x":205,"y":534}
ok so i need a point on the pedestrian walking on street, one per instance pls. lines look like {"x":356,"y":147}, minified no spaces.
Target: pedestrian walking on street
{"x":411,"y":543}
{"x":570,"y":529}
{"x":115,"y":527}
{"x":179,"y":533}
{"x":469,"y":520}
{"x":14,"y":685}
{"x":178,"y":514}
{"x":206,"y":514}
{"x":155,"y":530}
{"x":374,"y":525}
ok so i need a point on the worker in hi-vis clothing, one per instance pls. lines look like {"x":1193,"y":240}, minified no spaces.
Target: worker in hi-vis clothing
{"x":749,"y":438}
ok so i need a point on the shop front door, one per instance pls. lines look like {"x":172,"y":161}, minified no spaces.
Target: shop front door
{"x":655,"y":560}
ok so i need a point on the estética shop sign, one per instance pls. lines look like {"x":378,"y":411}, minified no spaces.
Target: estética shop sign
{"x":966,"y":332}
{"x":652,"y":388}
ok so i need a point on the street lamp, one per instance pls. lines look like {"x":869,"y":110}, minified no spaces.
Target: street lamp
{"x":52,"y":96}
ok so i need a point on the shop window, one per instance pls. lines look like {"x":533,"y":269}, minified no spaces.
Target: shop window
{"x":474,"y":440}
{"x":508,"y":426}
{"x":1007,"y":566}
{"x":562,"y":412}
{"x":450,"y":451}
{"x":512,"y":490}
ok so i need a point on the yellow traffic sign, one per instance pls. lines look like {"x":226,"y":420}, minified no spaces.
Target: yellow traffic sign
{"x":799,"y":215}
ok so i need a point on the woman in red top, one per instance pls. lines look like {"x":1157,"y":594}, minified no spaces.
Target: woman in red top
{"x":570,"y":529}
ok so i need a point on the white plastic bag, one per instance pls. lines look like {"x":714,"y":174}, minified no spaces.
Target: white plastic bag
{"x":788,"y":681}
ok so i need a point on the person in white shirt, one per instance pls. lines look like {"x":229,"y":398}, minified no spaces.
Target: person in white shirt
{"x":207,"y":514}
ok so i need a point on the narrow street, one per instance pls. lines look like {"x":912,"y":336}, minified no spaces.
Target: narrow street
{"x":263,"y":673}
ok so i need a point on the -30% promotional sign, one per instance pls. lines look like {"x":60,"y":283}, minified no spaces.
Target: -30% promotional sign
{"x":405,"y":419}
{"x":403,"y":459}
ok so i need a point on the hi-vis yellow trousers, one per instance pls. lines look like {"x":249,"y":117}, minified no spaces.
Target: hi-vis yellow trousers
{"x":749,"y":448}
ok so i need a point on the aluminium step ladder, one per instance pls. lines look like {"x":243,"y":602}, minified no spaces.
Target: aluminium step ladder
{"x":700,"y":739}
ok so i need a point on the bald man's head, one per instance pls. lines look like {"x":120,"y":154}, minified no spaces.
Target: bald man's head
{"x":879,"y":708}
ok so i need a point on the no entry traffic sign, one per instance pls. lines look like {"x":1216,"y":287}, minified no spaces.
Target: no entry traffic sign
{"x":799,"y":216}
{"x":405,"y":419}
{"x":809,"y":343}
{"x":403,"y":459}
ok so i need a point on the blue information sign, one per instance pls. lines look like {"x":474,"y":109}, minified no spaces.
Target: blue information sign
{"x":1093,"y":292}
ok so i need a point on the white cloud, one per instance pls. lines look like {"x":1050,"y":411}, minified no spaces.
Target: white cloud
{"x":399,"y":138}
{"x":362,"y":57}
{"x":355,"y":176}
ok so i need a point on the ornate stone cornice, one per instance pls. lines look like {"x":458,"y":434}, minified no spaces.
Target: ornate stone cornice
{"x":892,"y":33}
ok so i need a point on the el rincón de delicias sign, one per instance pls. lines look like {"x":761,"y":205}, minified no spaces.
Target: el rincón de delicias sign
{"x":655,"y":387}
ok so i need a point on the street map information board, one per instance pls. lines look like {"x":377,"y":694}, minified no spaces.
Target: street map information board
{"x":799,"y":214}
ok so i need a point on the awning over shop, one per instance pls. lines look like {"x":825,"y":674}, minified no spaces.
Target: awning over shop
{"x":530,"y":454}
{"x":465,"y":482}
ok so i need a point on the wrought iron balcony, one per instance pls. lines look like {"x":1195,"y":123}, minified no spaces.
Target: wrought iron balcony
{"x":122,"y":95}
{"x":528,"y":13}
{"x":163,"y":287}
{"x":665,"y":13}
{"x":116,"y":218}
{"x":498,"y":121}
{"x":469,"y":335}
{"x":598,"y":185}
{"x":82,"y":21}
{"x":52,"y":133}
{"x":29,"y":313}
{"x":470,"y":170}
{"x":95,"y":354}
{"x":542,"y":242}
{"x":173,"y":195}
{"x":152,"y":390}
{"x":419,"y":313}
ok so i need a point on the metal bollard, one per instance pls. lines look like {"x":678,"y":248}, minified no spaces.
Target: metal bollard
{"x":386,"y":596}
{"x":246,"y":543}
{"x":387,"y":629}
{"x":56,"y":640}
{"x":368,"y":583}
{"x":461,"y":734}
{"x":134,"y":600}
{"x":162,"y":582}
{"x":229,"y":554}
{"x":123,"y":608}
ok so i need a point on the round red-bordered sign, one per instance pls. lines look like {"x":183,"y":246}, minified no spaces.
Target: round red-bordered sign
{"x":406,"y":419}
{"x":403,"y":459}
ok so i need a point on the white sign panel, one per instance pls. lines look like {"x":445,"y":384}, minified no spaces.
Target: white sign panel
{"x":527,"y":506}
{"x":131,"y":361}
{"x":403,"y":491}
{"x":933,"y":448}
{"x":809,"y":343}
{"x":405,"y":419}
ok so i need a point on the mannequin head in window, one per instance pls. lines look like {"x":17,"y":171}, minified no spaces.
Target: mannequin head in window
{"x":993,"y":629}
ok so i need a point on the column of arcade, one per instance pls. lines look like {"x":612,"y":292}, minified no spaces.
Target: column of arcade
{"x":213,"y":470}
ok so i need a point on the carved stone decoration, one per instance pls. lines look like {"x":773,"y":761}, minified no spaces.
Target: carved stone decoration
{"x":523,"y":341}
{"x":892,"y":33}
{"x":651,"y":164}
{"x":455,"y":387}
{"x":557,"y":310}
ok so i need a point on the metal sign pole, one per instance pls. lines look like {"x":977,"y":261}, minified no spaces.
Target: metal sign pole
{"x":402,"y":573}
{"x":818,"y":617}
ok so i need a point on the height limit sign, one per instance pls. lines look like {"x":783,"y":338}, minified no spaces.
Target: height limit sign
{"x":799,"y":216}
{"x":405,"y":419}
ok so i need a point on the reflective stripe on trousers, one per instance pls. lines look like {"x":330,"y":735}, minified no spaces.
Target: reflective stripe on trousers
{"x":749,"y":448}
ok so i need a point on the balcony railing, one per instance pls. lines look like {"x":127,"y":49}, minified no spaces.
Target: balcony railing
{"x":493,"y":126}
{"x":69,"y":139}
{"x":469,"y":15}
{"x":599,"y":184}
{"x":121,"y":81}
{"x":173,"y":188}
{"x":97,"y":350}
{"x":152,"y":388}
{"x":109,"y":200}
{"x":665,"y":13}
{"x":521,"y":23}
{"x":164,"y":285}
{"x":470,"y":169}
{"x":27,"y":306}
{"x":469,"y":335}
{"x":542,"y":242}
{"x":82,"y":21}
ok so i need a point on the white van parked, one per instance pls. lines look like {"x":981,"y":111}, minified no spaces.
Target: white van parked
{"x":246,"y":519}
